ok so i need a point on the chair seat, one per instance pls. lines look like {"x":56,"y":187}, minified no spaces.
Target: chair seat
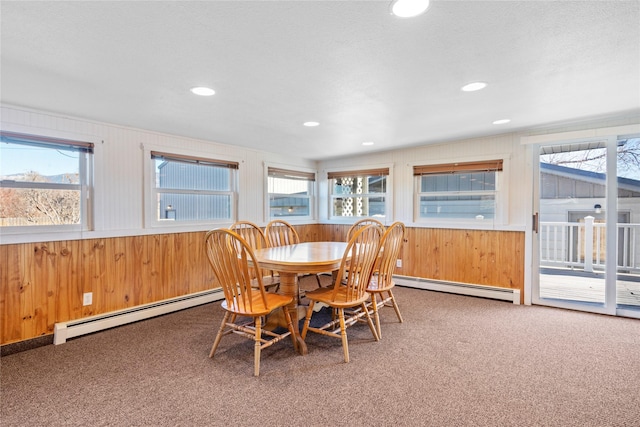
{"x":325,"y":295}
{"x":376,"y":286}
{"x":258,"y":308}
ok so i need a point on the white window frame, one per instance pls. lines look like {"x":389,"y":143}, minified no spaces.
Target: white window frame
{"x":153,"y":217}
{"x":500,"y":195}
{"x":361,"y":172}
{"x":86,"y":186}
{"x":296,"y":174}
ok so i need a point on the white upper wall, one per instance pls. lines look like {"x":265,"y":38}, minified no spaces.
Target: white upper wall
{"x":120,"y":169}
{"x":401,"y":161}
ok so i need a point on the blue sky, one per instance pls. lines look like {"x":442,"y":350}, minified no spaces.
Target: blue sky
{"x":21,"y":159}
{"x":627,"y":168}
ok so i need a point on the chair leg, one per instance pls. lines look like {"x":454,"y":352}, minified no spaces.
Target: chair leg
{"x":257,"y":347}
{"x":307,"y":319}
{"x":220,"y":333}
{"x":318,"y":280}
{"x":343,"y":335}
{"x":287,"y":318}
{"x":395,"y":306}
{"x":370,"y":322}
{"x":376,"y":317}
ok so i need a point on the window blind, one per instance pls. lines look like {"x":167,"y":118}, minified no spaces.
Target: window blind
{"x":194,"y":160}
{"x":483,"y":166}
{"x":291,"y":174}
{"x":356,"y":173}
{"x":46,"y":142}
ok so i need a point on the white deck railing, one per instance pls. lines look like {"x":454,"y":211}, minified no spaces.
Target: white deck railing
{"x":567,"y":244}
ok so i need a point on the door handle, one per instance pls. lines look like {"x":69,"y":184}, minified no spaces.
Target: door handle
{"x":536,"y":222}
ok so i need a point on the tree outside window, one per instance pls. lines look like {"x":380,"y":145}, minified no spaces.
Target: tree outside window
{"x":44,"y":181}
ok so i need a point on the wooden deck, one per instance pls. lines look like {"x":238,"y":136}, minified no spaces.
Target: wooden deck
{"x":587,"y":287}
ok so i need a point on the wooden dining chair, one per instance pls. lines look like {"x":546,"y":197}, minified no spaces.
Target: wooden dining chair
{"x":281,"y":233}
{"x":381,"y":283}
{"x":349,"y":290}
{"x":251,"y":233}
{"x":256,"y":239}
{"x":229,"y":256}
{"x":362,"y":223}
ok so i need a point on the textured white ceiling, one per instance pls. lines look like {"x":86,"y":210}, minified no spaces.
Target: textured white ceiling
{"x":364,"y":74}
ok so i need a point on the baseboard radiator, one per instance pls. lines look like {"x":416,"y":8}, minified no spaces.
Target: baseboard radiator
{"x":64,"y":330}
{"x":492,"y":292}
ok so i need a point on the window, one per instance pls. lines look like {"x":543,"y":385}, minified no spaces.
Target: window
{"x":360,"y":193}
{"x":290,"y":192}
{"x":457,"y":190}
{"x":44,"y":182}
{"x":193,"y":189}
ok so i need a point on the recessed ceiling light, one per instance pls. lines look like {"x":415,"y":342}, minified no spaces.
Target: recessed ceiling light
{"x":408,"y":8}
{"x":367,"y":143}
{"x":311,"y":124}
{"x":202,"y":91}
{"x":471,"y":87}
{"x":501,"y":121}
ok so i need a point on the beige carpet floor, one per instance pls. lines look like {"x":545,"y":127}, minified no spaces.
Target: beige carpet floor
{"x":456,"y":361}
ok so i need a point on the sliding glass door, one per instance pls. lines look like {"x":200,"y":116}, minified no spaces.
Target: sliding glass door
{"x":627,"y":233}
{"x":588,"y":226}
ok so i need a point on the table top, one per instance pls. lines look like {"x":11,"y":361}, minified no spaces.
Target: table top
{"x":308,"y":257}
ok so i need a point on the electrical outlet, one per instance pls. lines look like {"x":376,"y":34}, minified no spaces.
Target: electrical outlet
{"x":87,"y":298}
{"x":398,"y":263}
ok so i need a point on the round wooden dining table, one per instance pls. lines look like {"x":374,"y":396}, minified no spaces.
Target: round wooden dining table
{"x":291,"y":260}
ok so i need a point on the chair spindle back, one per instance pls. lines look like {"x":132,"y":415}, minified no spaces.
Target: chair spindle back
{"x":281,"y":233}
{"x":358,"y":262}
{"x":229,"y":256}
{"x":362,"y":223}
{"x":390,"y":246}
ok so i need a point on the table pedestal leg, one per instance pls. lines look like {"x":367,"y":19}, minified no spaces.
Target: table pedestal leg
{"x":289,"y":286}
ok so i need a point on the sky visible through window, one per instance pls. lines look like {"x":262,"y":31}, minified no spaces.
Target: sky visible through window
{"x":628,"y":164}
{"x":18,"y":160}
{"x":628,"y":160}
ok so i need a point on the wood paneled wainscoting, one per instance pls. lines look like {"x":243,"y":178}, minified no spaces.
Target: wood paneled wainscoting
{"x":43,"y":283}
{"x":478,"y":257}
